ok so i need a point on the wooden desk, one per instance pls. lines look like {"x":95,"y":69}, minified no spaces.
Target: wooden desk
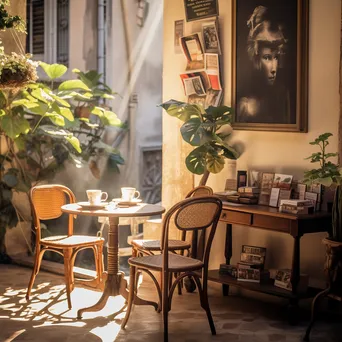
{"x":267,"y":218}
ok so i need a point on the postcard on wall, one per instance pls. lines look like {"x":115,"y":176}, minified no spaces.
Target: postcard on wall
{"x":266,"y":187}
{"x":282,"y":181}
{"x":179,"y":32}
{"x":192,"y":47}
{"x":274,"y":197}
{"x":255,"y":178}
{"x":193,"y":85}
{"x":211,"y":39}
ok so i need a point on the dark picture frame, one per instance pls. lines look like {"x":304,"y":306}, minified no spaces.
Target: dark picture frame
{"x":270,"y":65}
{"x":200,"y":9}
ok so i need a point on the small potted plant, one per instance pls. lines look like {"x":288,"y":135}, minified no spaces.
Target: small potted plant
{"x":328,"y":174}
{"x":208,"y":131}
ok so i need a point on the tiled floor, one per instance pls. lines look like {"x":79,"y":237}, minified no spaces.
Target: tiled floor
{"x":46,"y":318}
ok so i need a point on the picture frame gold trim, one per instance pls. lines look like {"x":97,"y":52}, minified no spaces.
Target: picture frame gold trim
{"x":301,"y":115}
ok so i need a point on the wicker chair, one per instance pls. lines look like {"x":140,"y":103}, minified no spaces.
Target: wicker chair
{"x":190,"y":214}
{"x":46,"y":202}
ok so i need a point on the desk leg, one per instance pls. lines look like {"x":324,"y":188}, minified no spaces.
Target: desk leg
{"x":116,"y":284}
{"x":228,"y":252}
{"x":295,"y":277}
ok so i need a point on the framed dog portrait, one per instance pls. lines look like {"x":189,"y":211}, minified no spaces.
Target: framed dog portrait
{"x":270,"y":65}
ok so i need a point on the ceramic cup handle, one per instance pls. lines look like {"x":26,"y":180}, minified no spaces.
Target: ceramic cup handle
{"x":136,"y":194}
{"x":104,"y":196}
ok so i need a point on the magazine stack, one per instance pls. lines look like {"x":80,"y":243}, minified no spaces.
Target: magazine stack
{"x":251,"y":265}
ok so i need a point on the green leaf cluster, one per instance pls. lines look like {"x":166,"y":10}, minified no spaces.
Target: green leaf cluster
{"x":42,"y":127}
{"x":327,"y":172}
{"x":207,"y":130}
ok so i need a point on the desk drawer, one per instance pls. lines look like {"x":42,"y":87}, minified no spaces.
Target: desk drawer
{"x":269,"y":222}
{"x":236,"y":217}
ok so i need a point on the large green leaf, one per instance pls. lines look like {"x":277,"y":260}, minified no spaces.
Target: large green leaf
{"x":42,"y":95}
{"x":90,"y":78}
{"x":195,"y":133}
{"x":60,"y":100}
{"x":219,"y":112}
{"x":75,"y":143}
{"x":13,"y":126}
{"x":67,"y":113}
{"x":196,"y":160}
{"x":25,"y":103}
{"x":214,"y":163}
{"x":57,"y":119}
{"x":73,"y":85}
{"x":110,"y":119}
{"x":181,"y":110}
{"x":54,"y":70}
{"x":54,"y":131}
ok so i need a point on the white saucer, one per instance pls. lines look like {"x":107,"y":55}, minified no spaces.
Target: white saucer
{"x":133,"y":202}
{"x":87,"y":205}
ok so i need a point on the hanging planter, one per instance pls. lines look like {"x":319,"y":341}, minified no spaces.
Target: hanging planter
{"x":16,"y":71}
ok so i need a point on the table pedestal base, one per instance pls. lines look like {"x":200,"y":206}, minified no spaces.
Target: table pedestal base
{"x":116,"y":284}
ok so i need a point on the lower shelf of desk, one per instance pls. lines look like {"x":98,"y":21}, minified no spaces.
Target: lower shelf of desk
{"x":265,"y":287}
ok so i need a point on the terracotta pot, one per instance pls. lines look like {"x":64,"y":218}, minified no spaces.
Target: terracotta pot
{"x":82,"y":112}
{"x":333,"y":265}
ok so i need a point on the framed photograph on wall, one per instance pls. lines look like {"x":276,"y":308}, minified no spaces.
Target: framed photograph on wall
{"x":270,"y":65}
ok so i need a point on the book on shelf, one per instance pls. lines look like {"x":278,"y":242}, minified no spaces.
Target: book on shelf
{"x":230,"y":270}
{"x":252,"y":275}
{"x":254,"y":259}
{"x":243,"y":264}
{"x":249,"y":189}
{"x":296,"y":202}
{"x":301,"y":210}
{"x":253,"y":250}
{"x":283,"y":280}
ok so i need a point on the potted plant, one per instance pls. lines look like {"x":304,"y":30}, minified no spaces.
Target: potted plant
{"x":39,"y":133}
{"x":208,"y":131}
{"x":328,"y":174}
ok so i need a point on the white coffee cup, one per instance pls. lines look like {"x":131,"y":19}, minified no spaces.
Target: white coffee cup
{"x":129,"y":194}
{"x":96,"y":196}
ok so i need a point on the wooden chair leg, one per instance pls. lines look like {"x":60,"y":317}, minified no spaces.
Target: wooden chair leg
{"x":205,"y":305}
{"x":165,"y":305}
{"x":100,"y":261}
{"x":67,"y":269}
{"x":132,"y":275}
{"x":36,"y":267}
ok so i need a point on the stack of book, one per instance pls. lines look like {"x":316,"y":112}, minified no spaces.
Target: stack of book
{"x":296,"y":206}
{"x":251,"y":265}
{"x":249,"y":194}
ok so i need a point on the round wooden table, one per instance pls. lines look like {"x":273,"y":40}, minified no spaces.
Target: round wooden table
{"x":115,"y":284}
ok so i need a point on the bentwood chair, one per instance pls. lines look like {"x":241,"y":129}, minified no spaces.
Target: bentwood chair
{"x":46,"y":202}
{"x":188,"y":215}
{"x":150,"y":247}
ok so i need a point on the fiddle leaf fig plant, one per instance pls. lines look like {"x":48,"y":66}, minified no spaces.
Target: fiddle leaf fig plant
{"x":207,"y":130}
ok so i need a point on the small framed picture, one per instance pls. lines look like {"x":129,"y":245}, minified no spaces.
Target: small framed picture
{"x":282,"y":181}
{"x":241,"y":179}
{"x":266,"y":188}
{"x":211,"y":39}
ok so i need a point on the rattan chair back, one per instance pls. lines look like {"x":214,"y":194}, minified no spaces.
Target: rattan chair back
{"x":201,"y":190}
{"x":46,"y":202}
{"x":196,"y":213}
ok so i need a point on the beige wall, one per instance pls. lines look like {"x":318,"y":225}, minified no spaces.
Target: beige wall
{"x":278,"y":152}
